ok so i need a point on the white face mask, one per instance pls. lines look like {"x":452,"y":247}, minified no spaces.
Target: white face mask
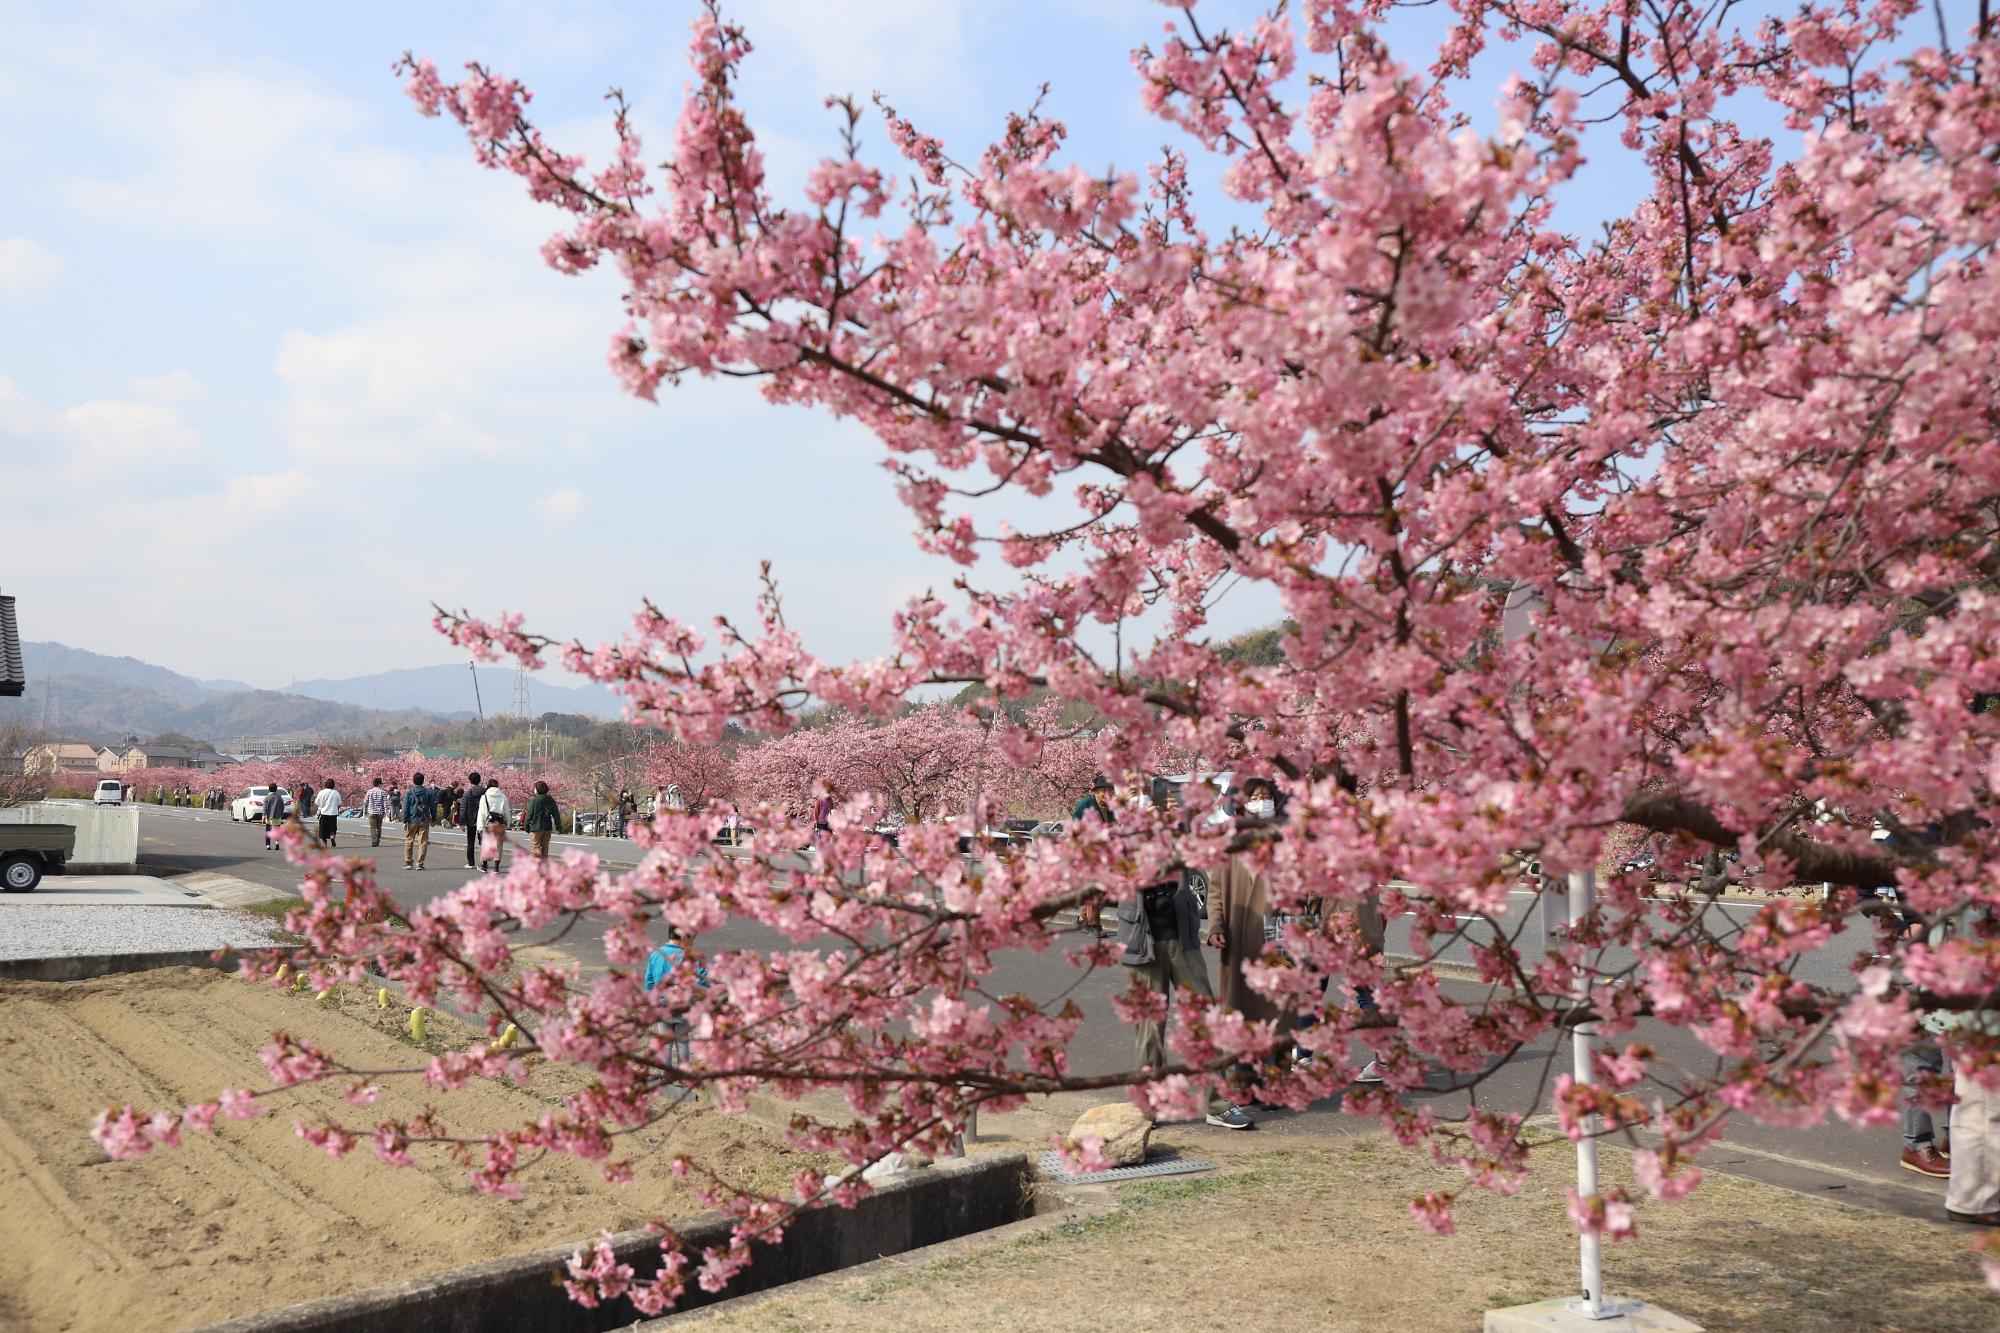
{"x":1261,"y":809}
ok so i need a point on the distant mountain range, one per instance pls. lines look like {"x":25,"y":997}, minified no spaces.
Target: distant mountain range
{"x":83,"y":694}
{"x":449,"y":689}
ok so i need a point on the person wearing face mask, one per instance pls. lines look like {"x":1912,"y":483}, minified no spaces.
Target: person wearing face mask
{"x":1236,"y":911}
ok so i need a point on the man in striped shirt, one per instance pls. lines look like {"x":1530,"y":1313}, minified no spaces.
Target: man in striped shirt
{"x":375,"y":805}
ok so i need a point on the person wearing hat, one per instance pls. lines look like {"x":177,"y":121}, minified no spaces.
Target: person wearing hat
{"x":1094,"y":803}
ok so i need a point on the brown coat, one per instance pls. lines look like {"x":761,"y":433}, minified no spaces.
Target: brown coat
{"x":1236,"y":908}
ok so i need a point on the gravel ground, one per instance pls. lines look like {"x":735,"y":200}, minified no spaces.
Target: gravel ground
{"x":57,"y":932}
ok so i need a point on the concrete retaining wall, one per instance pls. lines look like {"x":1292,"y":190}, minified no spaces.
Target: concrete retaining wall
{"x":107,"y":836}
{"x":928,"y":1206}
{"x":82,"y":967}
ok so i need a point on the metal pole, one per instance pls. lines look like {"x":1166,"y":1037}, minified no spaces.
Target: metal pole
{"x":1582,"y":898}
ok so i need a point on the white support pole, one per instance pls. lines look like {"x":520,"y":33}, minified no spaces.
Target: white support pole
{"x":1591,"y":1305}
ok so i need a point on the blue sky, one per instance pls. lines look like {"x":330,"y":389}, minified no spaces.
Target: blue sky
{"x":280,"y":365}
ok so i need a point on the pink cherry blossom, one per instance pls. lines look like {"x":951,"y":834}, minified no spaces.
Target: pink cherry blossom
{"x":1734,"y":447}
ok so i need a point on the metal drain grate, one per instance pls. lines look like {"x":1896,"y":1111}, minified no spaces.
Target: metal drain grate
{"x":1163,"y":1165}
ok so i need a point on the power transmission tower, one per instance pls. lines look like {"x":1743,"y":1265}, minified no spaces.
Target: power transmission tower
{"x":521,"y":706}
{"x":474,"y":668}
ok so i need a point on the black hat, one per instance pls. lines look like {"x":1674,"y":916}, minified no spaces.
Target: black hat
{"x":1100,"y":783}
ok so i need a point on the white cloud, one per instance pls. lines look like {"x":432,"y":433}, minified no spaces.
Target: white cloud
{"x":107,"y":440}
{"x":173,"y":386}
{"x":267,"y":496}
{"x":28,"y":269}
{"x":235,"y":152}
{"x":560,"y":508}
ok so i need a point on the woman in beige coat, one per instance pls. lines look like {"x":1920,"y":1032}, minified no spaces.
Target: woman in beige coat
{"x":1236,"y":910}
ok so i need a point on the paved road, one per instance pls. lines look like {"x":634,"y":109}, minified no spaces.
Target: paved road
{"x":1832,"y":1159}
{"x":1831,"y":967}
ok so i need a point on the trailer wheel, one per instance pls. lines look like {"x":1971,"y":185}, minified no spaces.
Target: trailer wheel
{"x":20,"y":873}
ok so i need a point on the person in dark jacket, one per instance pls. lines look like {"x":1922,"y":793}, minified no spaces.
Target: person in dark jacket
{"x":468,"y":817}
{"x":419,"y":809}
{"x":541,"y":820}
{"x":274,"y":814}
{"x":1159,"y":930}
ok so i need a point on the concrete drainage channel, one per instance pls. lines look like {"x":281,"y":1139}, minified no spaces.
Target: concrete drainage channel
{"x":927,"y":1207}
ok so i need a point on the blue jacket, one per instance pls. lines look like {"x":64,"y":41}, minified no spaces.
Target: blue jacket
{"x":420,"y":805}
{"x":663,"y":960}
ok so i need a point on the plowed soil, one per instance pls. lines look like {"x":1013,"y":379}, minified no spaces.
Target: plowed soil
{"x":251,"y":1218}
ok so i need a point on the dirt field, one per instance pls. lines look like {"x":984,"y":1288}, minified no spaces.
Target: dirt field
{"x":251,"y":1218}
{"x":1319,"y":1239}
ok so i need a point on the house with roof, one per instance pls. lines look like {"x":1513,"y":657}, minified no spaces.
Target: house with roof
{"x":60,"y":757}
{"x":171,"y":756}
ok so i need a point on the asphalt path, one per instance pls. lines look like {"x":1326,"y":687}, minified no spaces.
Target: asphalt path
{"x":1832,"y":1159}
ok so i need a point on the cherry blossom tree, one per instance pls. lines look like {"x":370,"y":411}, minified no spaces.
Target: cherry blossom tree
{"x":703,"y":773}
{"x":1736,"y":451}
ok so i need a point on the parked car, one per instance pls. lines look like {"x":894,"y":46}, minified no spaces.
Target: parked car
{"x":998,"y":840}
{"x":28,"y":851}
{"x":249,"y":807}
{"x":722,"y":835}
{"x":110,"y":791}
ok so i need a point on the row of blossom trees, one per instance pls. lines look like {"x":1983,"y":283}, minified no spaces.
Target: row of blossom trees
{"x":1687,"y":520}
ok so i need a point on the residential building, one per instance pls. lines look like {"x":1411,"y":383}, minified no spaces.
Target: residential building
{"x":60,"y":757}
{"x":171,"y":756}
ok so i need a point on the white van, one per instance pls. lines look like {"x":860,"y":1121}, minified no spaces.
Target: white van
{"x":110,"y":791}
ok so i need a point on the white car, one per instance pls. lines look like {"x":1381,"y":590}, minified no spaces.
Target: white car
{"x":249,"y":807}
{"x":110,"y":791}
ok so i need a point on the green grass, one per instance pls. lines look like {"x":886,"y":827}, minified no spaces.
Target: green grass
{"x":276,"y":909}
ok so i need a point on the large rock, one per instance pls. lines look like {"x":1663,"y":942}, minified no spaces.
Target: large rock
{"x":1123,"y":1128}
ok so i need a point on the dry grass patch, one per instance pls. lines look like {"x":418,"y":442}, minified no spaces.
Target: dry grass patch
{"x":1320,"y":1239}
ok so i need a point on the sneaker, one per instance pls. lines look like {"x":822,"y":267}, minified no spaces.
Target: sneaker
{"x":408,"y":866}
{"x":1926,"y":1161}
{"x":1370,"y":1072}
{"x":1976,"y":1219}
{"x":1230,"y":1117}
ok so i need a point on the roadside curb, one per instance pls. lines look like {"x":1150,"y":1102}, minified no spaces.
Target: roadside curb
{"x":219,"y":890}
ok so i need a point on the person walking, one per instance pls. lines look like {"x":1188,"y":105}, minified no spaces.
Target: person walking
{"x":1926,"y":1137}
{"x":540,"y":820}
{"x":1159,"y":933}
{"x":628,"y":810}
{"x":661,"y":964}
{"x":466,"y":813}
{"x":1095,"y":804}
{"x":1237,"y":912}
{"x":492,"y":822}
{"x":327,"y":803}
{"x":1972,"y":1188}
{"x":419,"y":809}
{"x":274,"y":814}
{"x":375,"y":805}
